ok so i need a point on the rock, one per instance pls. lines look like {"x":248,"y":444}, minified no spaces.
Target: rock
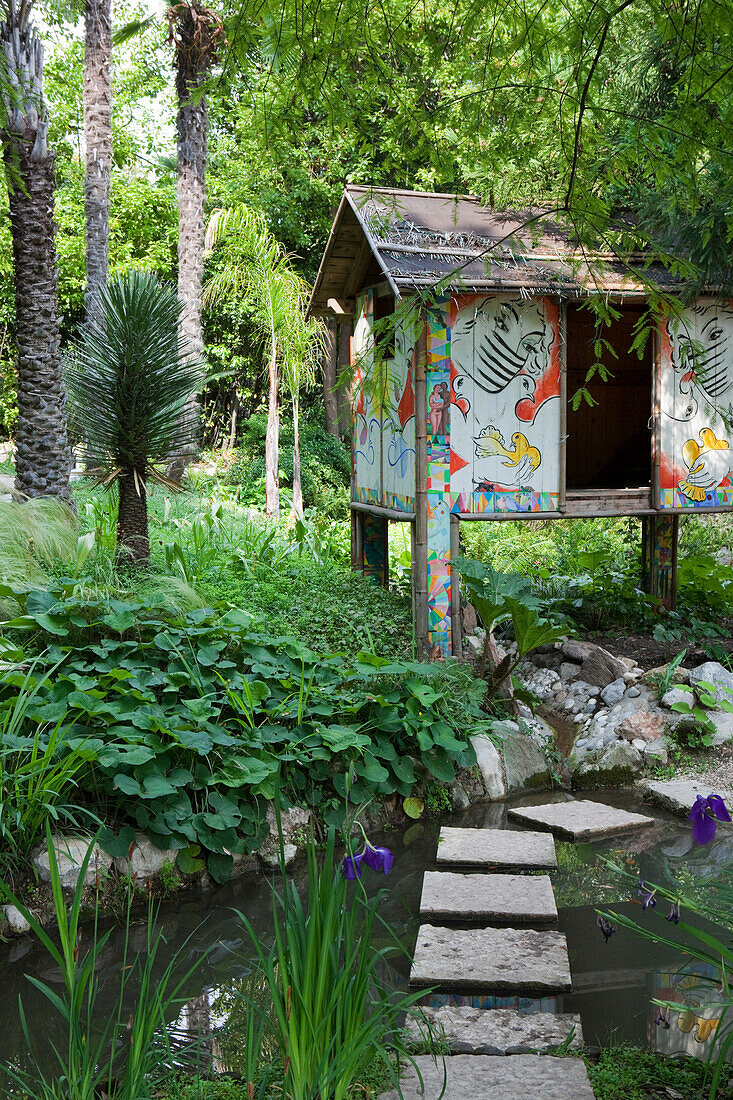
{"x":469,"y":618}
{"x":602,"y":668}
{"x":628,"y":662}
{"x":16,"y":920}
{"x":294,"y":824}
{"x":646,"y":725}
{"x":489,"y":764}
{"x":655,"y":752}
{"x":473,"y":647}
{"x":678,"y":795}
{"x":540,"y":731}
{"x":491,"y":960}
{"x":569,"y":670}
{"x":613,"y":693}
{"x":525,"y":768}
{"x":679,"y":676}
{"x":481,"y":1077}
{"x":576,"y":650}
{"x":146,"y":859}
{"x":499,"y":1031}
{"x":639,"y":744}
{"x":634,"y":692}
{"x":714,"y":673}
{"x":677,"y":695}
{"x":505,"y":898}
{"x":724,"y":556}
{"x":723,"y":722}
{"x":70,"y":854}
{"x":496,"y":848}
{"x":615,"y":765}
{"x":459,"y":798}
{"x":580,"y":819}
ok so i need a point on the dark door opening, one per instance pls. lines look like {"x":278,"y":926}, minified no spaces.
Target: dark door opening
{"x":609,"y":445}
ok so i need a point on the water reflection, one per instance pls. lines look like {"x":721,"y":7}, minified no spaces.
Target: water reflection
{"x":613,"y":982}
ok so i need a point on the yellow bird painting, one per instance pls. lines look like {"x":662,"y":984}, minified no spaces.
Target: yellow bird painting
{"x":708,"y":463}
{"x":491,"y":442}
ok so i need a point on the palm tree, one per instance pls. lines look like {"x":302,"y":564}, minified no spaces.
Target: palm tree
{"x":197,"y":33}
{"x":97,"y":103}
{"x":42,"y":453}
{"x":258,"y":269}
{"x":129,"y":379}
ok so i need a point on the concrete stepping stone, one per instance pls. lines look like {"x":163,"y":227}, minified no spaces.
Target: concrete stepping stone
{"x":508,"y":898}
{"x":678,"y":795}
{"x":496,"y":848}
{"x":482,"y":1077}
{"x":491,"y":960}
{"x":580,"y":819}
{"x":497,"y":1031}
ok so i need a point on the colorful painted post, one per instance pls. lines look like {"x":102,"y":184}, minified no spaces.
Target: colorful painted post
{"x":375,"y":549}
{"x":438,"y":480}
{"x":659,"y":558}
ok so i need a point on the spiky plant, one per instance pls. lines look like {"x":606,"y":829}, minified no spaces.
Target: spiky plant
{"x":128,"y":379}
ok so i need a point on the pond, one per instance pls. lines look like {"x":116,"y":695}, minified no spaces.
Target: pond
{"x":612,"y":982}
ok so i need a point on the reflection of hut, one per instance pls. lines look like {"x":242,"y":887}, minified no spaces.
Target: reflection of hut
{"x":466,"y":410}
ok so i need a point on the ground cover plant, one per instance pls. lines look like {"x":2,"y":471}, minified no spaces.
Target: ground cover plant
{"x":188,"y":720}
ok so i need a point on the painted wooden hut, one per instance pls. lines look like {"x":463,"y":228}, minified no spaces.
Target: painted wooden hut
{"x":465,"y":413}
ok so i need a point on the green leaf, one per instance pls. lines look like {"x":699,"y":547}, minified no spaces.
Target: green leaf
{"x":188,"y":860}
{"x":413,"y":806}
{"x":220,"y":866}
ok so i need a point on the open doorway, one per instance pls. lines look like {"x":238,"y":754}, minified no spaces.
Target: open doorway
{"x":609,"y":445}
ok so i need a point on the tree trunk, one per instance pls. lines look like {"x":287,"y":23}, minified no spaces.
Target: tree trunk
{"x":343,"y":399}
{"x":132,"y":519}
{"x":272,"y":445}
{"x":330,"y":373}
{"x":297,"y":484}
{"x":42,"y":452}
{"x":192,"y":124}
{"x":98,"y":137}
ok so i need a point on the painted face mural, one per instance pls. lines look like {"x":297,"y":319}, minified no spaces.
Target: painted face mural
{"x":504,"y":377}
{"x":697,"y":407}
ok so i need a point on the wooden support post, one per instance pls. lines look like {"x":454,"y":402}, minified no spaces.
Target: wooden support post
{"x":660,"y":535}
{"x":357,"y":540}
{"x":420,"y":557}
{"x":375,"y":548}
{"x":455,"y":591}
{"x":563,"y":455}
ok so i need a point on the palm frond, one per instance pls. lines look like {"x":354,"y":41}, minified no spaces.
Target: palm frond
{"x":130,"y":374}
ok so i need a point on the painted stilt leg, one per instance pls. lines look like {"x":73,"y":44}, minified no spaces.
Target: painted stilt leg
{"x":376,"y":549}
{"x":659,"y":559}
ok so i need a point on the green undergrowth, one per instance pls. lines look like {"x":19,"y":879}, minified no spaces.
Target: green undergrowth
{"x":187,"y":722}
{"x":631,"y":1073}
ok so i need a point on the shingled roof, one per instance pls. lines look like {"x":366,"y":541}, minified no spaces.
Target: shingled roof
{"x":417,"y":239}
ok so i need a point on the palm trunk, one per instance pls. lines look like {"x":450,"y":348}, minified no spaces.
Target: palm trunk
{"x":42,"y":453}
{"x":98,"y":137}
{"x":196,"y":33}
{"x":272,"y":443}
{"x":297,"y":484}
{"x":132,"y":518}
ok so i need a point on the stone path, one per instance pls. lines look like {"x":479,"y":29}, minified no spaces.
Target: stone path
{"x":678,"y":795}
{"x":482,"y":1077}
{"x":581,"y":819}
{"x":468,"y":1030}
{"x":491,"y":960}
{"x":527,"y":899}
{"x":496,"y":848}
{"x":503,"y":960}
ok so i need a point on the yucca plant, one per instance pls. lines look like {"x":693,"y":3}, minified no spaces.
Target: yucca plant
{"x":128,"y":379}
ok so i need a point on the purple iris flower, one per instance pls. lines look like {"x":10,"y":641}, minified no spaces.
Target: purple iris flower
{"x":352,"y":867}
{"x":379,"y":859}
{"x":647,"y":895}
{"x":674,"y":913}
{"x":606,"y":927}
{"x":662,"y":1019}
{"x":703,"y":816}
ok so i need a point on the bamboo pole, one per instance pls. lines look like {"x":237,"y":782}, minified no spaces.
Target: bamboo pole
{"x":420,"y":559}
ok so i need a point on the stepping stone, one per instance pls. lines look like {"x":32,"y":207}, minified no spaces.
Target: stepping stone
{"x":481,"y":1077}
{"x":580,"y":820}
{"x":508,"y":898}
{"x":678,"y":795}
{"x":491,"y":960}
{"x":468,"y":1030}
{"x":496,"y":848}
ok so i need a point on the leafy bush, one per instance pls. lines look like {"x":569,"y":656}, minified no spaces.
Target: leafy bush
{"x":325,"y":465}
{"x":188,"y":721}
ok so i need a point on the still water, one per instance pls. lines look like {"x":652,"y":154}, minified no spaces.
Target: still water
{"x":612,"y":982}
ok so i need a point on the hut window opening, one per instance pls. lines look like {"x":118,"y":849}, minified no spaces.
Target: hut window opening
{"x":609,"y":444}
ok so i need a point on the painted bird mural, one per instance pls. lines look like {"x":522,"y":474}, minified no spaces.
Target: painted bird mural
{"x":708,"y":463}
{"x":504,"y":465}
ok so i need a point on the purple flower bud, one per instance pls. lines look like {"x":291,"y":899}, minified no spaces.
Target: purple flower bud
{"x":662,"y":1019}
{"x":351,"y":867}
{"x":606,"y":927}
{"x":674,"y":913}
{"x":379,"y":859}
